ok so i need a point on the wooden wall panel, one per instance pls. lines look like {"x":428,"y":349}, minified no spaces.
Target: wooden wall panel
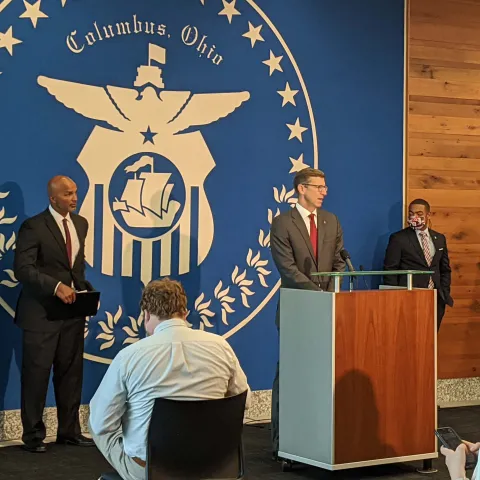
{"x":443,"y":162}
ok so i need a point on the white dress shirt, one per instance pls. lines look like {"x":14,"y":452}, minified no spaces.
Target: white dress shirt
{"x":305,"y":214}
{"x":429,"y":238}
{"x":176,"y":362}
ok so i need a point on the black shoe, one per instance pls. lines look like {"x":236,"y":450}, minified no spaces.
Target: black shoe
{"x":38,"y":447}
{"x":78,"y":441}
{"x":275,"y":456}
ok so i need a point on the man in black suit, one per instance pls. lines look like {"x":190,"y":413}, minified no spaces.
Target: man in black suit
{"x":419,"y":248}
{"x":50,"y":265}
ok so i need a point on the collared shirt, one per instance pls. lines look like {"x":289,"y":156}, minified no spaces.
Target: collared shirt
{"x":71,"y":227}
{"x":429,"y":238}
{"x":305,"y":214}
{"x":176,"y":362}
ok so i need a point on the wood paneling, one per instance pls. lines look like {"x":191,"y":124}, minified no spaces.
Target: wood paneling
{"x":384,"y":374}
{"x":443,"y":164}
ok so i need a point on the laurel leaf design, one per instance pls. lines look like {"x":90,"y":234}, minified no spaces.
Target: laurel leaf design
{"x":245,"y":283}
{"x":11,"y":275}
{"x":262,"y":263}
{"x":104,"y":327}
{"x":8,"y":283}
{"x":245,"y":300}
{"x":270,"y":216}
{"x":224,"y":317}
{"x":241,"y":277}
{"x":223,"y":293}
{"x":206,"y":321}
{"x":130,"y":340}
{"x":8,"y":221}
{"x":261,"y":238}
{"x":262,"y":280}
{"x":199,"y":300}
{"x":118,"y":315}
{"x":104,"y":336}
{"x":283,"y":192}
{"x":267,"y":240}
{"x":289,"y":194}
{"x":247,"y":291}
{"x":227,"y":308}
{"x":133,"y":322}
{"x":106,"y":345}
{"x":276,"y":195}
{"x":130,"y":332}
{"x":263,"y":271}
{"x":11,"y":241}
{"x":201,"y":326}
{"x":249,"y":256}
{"x":140,"y":319}
{"x":4,"y":195}
{"x":256,"y":259}
{"x":203,"y":306}
{"x":234,"y":274}
{"x":218,"y":288}
{"x":2,"y":242}
{"x":208,"y":313}
{"x":228,"y":299}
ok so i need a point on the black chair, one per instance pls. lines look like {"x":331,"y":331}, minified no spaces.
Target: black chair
{"x":195,"y":440}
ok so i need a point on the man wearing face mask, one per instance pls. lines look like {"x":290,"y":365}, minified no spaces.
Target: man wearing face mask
{"x":419,"y":248}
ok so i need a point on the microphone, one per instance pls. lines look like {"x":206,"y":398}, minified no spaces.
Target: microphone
{"x":362,"y":269}
{"x":346,"y":258}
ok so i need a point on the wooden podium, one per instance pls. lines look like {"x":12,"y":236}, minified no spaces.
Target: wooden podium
{"x":357,"y":377}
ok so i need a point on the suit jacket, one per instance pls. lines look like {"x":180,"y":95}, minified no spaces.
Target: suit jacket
{"x":404,"y":252}
{"x":40,"y":263}
{"x":293,"y":253}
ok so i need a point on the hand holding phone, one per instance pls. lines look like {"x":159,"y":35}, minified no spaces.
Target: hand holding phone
{"x":449,"y":438}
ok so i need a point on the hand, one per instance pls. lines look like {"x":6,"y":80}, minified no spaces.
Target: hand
{"x":455,"y":461}
{"x":65,"y":293}
{"x":473,"y":447}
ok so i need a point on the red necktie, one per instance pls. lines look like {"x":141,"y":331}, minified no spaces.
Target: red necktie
{"x":68,"y":242}
{"x":313,"y":234}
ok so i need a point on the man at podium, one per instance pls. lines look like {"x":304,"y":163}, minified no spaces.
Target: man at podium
{"x":303,"y":240}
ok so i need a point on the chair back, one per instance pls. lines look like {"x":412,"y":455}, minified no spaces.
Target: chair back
{"x":199,"y":439}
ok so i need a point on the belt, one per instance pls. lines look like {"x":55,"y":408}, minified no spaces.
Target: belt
{"x":139,"y":461}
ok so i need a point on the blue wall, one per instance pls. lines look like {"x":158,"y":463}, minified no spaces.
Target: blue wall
{"x":350,"y":56}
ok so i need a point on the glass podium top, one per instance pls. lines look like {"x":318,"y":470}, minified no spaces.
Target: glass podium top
{"x":373,"y":272}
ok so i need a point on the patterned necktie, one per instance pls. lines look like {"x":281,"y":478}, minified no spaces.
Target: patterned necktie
{"x":428,"y":253}
{"x":68,"y":241}
{"x":313,"y":234}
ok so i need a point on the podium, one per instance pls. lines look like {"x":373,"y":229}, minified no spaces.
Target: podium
{"x":358,"y":375}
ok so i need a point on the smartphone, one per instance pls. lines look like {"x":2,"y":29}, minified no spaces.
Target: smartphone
{"x":449,"y":438}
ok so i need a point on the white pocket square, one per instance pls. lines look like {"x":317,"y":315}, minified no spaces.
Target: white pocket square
{"x":440,"y":249}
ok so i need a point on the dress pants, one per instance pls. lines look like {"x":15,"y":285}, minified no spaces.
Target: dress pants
{"x":62,"y":349}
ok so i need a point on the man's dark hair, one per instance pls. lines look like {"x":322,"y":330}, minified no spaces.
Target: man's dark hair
{"x":420,"y":201}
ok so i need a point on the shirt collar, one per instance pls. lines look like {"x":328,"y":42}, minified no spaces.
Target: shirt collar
{"x":304,"y":212}
{"x":421,"y":232}
{"x":58,"y":218}
{"x":173,"y":322}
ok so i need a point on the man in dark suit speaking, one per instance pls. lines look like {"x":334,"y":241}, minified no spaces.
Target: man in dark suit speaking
{"x":303,"y":240}
{"x":419,"y":248}
{"x":50,"y":265}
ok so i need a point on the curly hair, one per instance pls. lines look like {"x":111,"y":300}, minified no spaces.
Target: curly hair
{"x":164,"y":298}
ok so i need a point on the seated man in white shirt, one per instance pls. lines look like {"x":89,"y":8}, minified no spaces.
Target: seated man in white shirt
{"x":174,"y":362}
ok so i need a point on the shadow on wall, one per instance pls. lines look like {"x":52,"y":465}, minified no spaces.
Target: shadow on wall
{"x":12,"y":214}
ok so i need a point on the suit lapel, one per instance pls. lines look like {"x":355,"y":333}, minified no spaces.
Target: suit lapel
{"x":437,"y":245}
{"x":412,"y":235}
{"x":57,"y":234}
{"x":300,"y":224}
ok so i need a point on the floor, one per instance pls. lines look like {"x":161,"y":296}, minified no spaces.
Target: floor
{"x":73,"y":463}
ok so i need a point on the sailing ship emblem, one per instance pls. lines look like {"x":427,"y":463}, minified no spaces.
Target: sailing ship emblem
{"x":152,"y":134}
{"x":146,"y":200}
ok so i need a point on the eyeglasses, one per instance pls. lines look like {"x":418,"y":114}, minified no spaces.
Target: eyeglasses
{"x":320,"y":188}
